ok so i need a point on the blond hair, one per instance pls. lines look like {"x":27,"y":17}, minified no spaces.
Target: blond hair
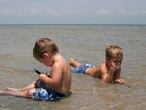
{"x":42,"y":46}
{"x":114,"y":51}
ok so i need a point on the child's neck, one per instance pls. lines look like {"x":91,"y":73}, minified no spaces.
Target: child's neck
{"x":54,"y":57}
{"x":107,"y":67}
{"x":111,"y":74}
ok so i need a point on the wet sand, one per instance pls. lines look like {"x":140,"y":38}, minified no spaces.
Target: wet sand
{"x":87,"y":44}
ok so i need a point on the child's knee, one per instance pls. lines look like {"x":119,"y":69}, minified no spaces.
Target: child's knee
{"x":30,"y":92}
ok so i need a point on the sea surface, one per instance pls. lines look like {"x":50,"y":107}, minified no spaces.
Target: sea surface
{"x":87,"y":44}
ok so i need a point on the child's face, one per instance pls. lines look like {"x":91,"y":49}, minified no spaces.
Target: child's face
{"x":114,"y":62}
{"x":43,"y":60}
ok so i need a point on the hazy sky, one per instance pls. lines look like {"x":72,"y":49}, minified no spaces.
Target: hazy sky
{"x":72,"y":11}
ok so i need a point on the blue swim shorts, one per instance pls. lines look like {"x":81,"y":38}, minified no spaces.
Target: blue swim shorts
{"x":43,"y":93}
{"x":82,"y":68}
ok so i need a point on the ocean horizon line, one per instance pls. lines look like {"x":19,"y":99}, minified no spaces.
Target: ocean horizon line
{"x":81,"y":24}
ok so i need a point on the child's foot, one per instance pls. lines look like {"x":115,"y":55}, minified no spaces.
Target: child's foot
{"x":3,"y":92}
{"x":71,"y":62}
{"x":71,"y":59}
{"x":74,"y":62}
{"x":10,"y":89}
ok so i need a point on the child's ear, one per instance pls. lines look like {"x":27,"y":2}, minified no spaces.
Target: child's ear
{"x":45,"y":55}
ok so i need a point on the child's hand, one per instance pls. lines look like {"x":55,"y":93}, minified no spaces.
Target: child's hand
{"x":42,"y":76}
{"x":120,"y":81}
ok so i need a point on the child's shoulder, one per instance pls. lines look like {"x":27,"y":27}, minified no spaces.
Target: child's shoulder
{"x":102,"y":68}
{"x":102,"y":65}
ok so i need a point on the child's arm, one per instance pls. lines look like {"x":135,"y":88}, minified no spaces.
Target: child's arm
{"x":54,"y":81}
{"x":102,"y":70}
{"x":108,"y":76}
{"x":117,"y":77}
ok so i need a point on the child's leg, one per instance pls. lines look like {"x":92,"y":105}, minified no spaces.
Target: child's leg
{"x":23,"y":93}
{"x":74,"y":62}
{"x":32,"y":85}
{"x":92,"y":71}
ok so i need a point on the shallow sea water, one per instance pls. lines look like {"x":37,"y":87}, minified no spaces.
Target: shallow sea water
{"x":86,"y":43}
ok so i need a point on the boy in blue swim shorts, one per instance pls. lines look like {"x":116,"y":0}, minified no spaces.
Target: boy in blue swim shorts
{"x":53,"y":87}
{"x":82,"y":68}
{"x":43,"y":92}
{"x":109,"y":71}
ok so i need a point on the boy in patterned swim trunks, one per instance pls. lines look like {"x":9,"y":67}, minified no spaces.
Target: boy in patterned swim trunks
{"x":53,"y":87}
{"x":109,"y":71}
